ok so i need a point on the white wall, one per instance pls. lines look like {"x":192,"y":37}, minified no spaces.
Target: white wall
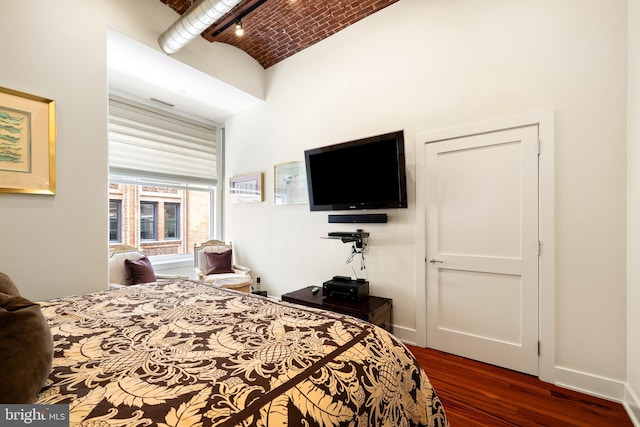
{"x":633,"y":215}
{"x":57,"y":245}
{"x":427,"y":65}
{"x":418,"y":65}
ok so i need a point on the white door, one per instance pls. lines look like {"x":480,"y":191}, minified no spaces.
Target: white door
{"x":482,"y":247}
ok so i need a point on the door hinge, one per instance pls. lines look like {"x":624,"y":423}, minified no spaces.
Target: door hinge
{"x":539,"y":142}
{"x":539,"y":248}
{"x":538,"y":348}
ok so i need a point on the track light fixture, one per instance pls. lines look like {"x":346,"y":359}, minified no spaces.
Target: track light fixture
{"x":239,"y":29}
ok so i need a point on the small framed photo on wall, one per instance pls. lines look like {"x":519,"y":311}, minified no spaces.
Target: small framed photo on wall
{"x":246,"y":188}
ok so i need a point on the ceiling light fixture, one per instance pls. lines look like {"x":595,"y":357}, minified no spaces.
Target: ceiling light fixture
{"x":239,"y":29}
{"x":236,"y":18}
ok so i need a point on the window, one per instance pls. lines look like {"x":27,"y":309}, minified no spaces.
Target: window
{"x":163,"y":171}
{"x":148,"y":220}
{"x":171,"y":221}
{"x":115,"y":209}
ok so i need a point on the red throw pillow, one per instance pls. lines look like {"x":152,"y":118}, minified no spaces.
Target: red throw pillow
{"x":219,"y":263}
{"x":140,"y":270}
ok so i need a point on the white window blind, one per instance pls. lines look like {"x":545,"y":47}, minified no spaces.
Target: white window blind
{"x":152,"y":144}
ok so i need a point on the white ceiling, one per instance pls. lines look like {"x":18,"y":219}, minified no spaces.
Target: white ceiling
{"x":145,"y":73}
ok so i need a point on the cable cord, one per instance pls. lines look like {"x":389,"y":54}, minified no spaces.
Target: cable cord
{"x":355,"y":251}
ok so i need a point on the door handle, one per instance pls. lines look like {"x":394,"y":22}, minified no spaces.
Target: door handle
{"x":433,"y":261}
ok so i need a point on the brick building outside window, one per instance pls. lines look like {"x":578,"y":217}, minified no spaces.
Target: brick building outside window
{"x":158,"y":220}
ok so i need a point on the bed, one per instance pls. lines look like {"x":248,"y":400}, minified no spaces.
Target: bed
{"x":184,"y":353}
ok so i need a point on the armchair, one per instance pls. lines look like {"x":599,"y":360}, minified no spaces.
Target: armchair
{"x":214,"y":263}
{"x":129,"y":266}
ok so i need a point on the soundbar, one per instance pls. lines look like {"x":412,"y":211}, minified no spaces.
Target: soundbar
{"x":358,"y":218}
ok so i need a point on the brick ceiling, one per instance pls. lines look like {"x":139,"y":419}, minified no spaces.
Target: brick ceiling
{"x":276,"y":29}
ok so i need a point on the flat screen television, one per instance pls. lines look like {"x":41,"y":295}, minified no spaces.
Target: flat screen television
{"x":367,"y":173}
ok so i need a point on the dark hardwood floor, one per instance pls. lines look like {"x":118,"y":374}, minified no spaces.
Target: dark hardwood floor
{"x":475,"y":394}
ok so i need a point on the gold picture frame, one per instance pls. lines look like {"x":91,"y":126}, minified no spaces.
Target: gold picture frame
{"x":246,"y":188}
{"x":290,"y":184}
{"x":27,"y":143}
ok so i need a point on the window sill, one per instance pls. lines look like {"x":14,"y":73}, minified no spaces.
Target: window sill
{"x":176,"y":265}
{"x":172,"y":260}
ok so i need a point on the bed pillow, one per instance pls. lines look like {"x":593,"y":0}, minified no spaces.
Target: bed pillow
{"x":7,"y":286}
{"x":219,"y":263}
{"x":139,"y":271}
{"x":26,"y":349}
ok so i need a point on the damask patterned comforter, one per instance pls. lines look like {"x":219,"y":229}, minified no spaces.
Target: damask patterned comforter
{"x":187,"y":354}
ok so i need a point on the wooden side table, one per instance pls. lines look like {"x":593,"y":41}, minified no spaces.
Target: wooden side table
{"x":376,"y":310}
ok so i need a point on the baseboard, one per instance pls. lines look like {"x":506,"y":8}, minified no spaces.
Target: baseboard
{"x":632,"y":405}
{"x":594,"y":385}
{"x":583,"y":382}
{"x":405,"y":335}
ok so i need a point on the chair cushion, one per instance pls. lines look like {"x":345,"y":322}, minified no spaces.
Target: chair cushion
{"x":212,"y":279}
{"x":139,"y":270}
{"x":26,"y":349}
{"x":218,"y":263}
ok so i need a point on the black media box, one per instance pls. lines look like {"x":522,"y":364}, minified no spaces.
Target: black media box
{"x":347,"y":290}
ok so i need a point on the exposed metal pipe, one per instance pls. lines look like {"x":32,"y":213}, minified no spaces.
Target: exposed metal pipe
{"x":193,"y":22}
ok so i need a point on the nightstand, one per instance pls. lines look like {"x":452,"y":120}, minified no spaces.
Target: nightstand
{"x":376,"y":310}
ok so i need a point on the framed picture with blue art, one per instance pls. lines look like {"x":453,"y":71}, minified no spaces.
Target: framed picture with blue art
{"x":27,"y":143}
{"x":290,"y":184}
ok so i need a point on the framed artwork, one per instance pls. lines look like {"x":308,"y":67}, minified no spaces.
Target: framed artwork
{"x":246,"y":188}
{"x":27,"y":143}
{"x":290,"y":184}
